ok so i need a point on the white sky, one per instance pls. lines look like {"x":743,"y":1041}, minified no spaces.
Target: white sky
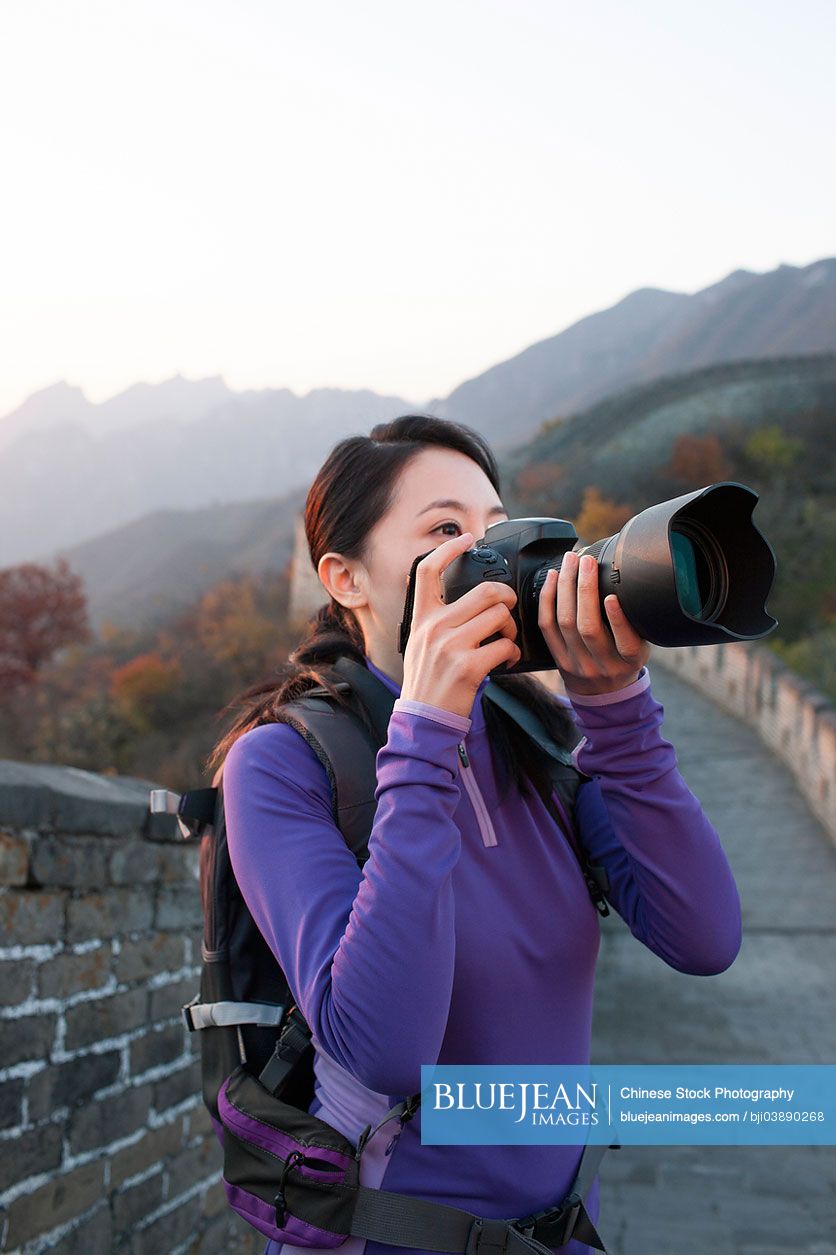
{"x":370,"y":193}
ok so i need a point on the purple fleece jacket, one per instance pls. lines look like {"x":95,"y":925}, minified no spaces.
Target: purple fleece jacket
{"x":469,"y":936}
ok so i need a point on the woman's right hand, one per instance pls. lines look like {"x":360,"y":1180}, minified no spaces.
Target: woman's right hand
{"x":444,"y":662}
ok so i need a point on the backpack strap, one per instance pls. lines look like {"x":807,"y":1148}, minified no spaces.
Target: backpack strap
{"x":348,"y":756}
{"x":349,"y":760}
{"x":378,"y":700}
{"x":384,"y":1216}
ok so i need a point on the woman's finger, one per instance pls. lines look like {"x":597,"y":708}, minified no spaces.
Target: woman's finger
{"x":632,"y":647}
{"x":594,"y":633}
{"x":547,"y":620}
{"x":567,"y":608}
{"x":427,"y":593}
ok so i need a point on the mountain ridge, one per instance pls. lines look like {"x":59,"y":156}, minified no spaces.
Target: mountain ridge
{"x":193,"y":442}
{"x":146,"y":569}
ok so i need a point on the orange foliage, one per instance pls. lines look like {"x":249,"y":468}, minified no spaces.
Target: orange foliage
{"x":140,"y":685}
{"x":233,"y":629}
{"x":600,"y":517}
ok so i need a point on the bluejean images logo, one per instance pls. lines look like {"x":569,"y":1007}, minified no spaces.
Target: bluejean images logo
{"x":649,"y":1104}
{"x":542,"y":1103}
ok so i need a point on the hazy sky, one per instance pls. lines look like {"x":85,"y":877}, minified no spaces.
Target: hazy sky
{"x":387,"y":195}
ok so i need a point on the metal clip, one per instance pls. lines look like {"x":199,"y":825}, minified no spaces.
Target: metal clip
{"x":411,"y":1105}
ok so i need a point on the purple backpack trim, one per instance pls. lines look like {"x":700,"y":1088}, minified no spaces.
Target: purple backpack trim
{"x":333,"y":1165}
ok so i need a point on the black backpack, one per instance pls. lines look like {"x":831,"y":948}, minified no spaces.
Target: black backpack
{"x":256,"y":1050}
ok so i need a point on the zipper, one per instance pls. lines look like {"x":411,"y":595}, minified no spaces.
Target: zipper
{"x":482,"y":817}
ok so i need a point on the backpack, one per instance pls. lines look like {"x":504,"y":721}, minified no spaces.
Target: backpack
{"x":286,"y":1172}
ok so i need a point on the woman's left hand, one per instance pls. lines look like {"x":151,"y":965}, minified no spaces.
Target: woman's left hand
{"x":592,"y":656}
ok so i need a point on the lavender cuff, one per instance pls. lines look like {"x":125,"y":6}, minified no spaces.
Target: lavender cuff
{"x":461,"y":723}
{"x":641,"y":682}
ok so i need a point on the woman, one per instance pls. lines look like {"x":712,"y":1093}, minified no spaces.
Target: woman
{"x":469,"y":936}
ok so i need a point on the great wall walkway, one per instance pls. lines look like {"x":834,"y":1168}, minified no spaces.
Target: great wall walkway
{"x":777,"y":1003}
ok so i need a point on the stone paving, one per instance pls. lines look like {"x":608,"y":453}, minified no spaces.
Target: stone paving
{"x":777,"y":1003}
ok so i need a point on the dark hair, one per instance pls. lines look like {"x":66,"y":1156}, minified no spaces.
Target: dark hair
{"x":351,"y":492}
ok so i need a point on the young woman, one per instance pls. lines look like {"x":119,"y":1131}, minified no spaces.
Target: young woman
{"x":469,"y":936}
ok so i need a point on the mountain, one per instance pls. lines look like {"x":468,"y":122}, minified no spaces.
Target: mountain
{"x":141,"y":572}
{"x":788,"y":311}
{"x":144,"y":572}
{"x":71,"y":470}
{"x":620,"y":444}
{"x":176,"y":398}
{"x":65,"y":482}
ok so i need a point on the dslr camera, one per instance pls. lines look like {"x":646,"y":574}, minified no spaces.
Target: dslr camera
{"x":695,"y":570}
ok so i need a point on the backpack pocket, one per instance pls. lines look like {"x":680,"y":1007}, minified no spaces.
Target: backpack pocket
{"x":275,"y":1155}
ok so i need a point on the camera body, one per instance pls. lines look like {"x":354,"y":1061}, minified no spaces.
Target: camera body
{"x":518,"y":552}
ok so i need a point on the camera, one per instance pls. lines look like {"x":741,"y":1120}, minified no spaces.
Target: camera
{"x":695,"y":570}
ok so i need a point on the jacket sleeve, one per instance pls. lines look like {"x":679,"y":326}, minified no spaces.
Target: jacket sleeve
{"x":368,"y":954}
{"x":670,"y":879}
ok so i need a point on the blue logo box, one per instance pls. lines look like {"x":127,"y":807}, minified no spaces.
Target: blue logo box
{"x":630,"y":1104}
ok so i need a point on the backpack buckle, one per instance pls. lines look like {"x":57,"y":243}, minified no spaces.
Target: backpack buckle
{"x":555,"y":1226}
{"x":487,"y":1237}
{"x":293,"y":1041}
{"x":525,"y":1227}
{"x":187,"y":1013}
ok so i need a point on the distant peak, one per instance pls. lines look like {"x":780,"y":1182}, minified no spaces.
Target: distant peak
{"x":652,"y":298}
{"x":60,"y":399}
{"x":651,"y":292}
{"x":738,"y":274}
{"x":203,"y":381}
{"x":57,"y":391}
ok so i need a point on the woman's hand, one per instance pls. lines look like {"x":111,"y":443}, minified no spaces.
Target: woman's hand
{"x":592,"y":656}
{"x":445,"y":661}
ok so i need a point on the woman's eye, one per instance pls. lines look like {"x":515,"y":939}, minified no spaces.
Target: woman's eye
{"x":441,"y":525}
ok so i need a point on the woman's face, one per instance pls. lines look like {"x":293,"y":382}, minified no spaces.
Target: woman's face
{"x":421,"y":517}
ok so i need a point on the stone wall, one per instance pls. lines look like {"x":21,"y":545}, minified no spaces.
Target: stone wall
{"x":104,"y":1141}
{"x":790,"y":715}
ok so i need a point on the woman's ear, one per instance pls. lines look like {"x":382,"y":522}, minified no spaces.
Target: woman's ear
{"x":343,"y":579}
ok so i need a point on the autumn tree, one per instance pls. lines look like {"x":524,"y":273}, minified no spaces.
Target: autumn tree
{"x":42,"y":610}
{"x":235,"y":627}
{"x":145,"y":689}
{"x":599,"y":517}
{"x":697,"y":461}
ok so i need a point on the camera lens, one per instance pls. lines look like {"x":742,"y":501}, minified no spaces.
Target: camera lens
{"x":699,"y":571}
